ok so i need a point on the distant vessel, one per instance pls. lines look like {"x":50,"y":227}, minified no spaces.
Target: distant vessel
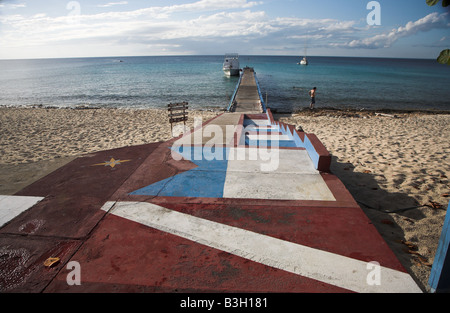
{"x":304,"y":61}
{"x":231,"y":64}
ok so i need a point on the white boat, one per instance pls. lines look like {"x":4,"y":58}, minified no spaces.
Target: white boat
{"x":231,"y":64}
{"x":304,"y":61}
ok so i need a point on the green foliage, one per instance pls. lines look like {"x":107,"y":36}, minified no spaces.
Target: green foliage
{"x":445,"y":3}
{"x":444,"y":57}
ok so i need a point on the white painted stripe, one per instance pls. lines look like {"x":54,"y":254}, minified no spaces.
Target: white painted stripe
{"x":108,"y":205}
{"x":292,"y":170}
{"x":12,"y":206}
{"x":267,"y":136}
{"x":288,"y":186}
{"x":244,"y":159}
{"x":319,"y":265}
{"x":260,"y":122}
{"x":265,"y":128}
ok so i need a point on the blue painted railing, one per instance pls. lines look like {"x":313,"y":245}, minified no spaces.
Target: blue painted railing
{"x":230,"y":105}
{"x":260,"y":95}
{"x":440,"y":272}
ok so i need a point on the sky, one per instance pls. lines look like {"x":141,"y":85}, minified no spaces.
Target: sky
{"x":97,"y":28}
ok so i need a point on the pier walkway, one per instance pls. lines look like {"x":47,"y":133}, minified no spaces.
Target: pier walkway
{"x":242,"y":204}
{"x":248,"y":96}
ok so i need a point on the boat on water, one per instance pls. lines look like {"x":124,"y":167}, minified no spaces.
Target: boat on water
{"x":304,"y":61}
{"x":231,"y":64}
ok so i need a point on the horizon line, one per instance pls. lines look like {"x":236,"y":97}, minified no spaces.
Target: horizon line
{"x":199,"y":55}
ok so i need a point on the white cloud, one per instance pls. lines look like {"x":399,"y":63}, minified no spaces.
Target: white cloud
{"x":209,"y":5}
{"x":209,"y":27}
{"x":149,"y":24}
{"x":339,"y":26}
{"x":384,"y":40}
{"x":13,"y":6}
{"x":110,"y":4}
{"x":209,"y":24}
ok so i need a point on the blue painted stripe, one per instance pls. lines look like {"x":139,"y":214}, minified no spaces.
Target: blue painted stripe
{"x":270,"y":143}
{"x":207,"y":180}
{"x":298,"y":141}
{"x":263,"y":130}
{"x":311,"y":151}
{"x":206,"y":158}
{"x":203,"y":184}
{"x":291,"y":143}
{"x":250,"y":122}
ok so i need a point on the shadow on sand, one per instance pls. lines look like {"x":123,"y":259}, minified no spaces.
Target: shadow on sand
{"x":381,"y":206}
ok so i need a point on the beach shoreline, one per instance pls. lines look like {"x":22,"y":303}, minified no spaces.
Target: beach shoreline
{"x":389,"y":160}
{"x":355,"y":112}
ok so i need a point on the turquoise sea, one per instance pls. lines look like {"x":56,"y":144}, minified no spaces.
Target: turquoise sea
{"x":149,"y":82}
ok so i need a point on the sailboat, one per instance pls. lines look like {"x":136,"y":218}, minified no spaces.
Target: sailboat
{"x":304,"y":61}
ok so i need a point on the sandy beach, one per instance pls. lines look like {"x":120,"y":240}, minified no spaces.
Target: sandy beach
{"x":36,"y":141}
{"x":389,"y":162}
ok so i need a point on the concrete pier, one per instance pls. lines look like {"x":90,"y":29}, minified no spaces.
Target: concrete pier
{"x":248,"y":97}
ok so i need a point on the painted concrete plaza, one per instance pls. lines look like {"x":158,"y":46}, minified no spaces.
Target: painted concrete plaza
{"x":255,"y":209}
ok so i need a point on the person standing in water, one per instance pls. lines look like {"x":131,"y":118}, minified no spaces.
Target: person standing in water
{"x":312,"y":94}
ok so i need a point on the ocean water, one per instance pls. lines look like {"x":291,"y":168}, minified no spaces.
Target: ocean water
{"x":154,"y":82}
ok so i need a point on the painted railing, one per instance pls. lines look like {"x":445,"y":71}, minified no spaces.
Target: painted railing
{"x":233,"y":98}
{"x":319,"y":155}
{"x":439,"y":280}
{"x":263,"y":105}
